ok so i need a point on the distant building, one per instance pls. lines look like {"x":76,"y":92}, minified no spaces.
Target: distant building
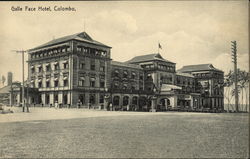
{"x":77,"y":70}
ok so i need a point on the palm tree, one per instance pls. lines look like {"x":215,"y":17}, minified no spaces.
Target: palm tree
{"x":228,"y":82}
{"x":245,"y":85}
{"x":243,"y":79}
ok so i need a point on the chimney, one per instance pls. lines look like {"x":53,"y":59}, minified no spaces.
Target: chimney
{"x":9,"y":80}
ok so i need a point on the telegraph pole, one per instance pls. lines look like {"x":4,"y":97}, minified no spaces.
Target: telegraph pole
{"x":23,"y":101}
{"x":234,"y":60}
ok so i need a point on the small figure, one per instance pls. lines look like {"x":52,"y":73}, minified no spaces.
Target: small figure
{"x":56,"y":104}
{"x":79,"y":104}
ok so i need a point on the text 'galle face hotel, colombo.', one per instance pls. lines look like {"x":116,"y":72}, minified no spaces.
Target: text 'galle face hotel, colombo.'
{"x":77,"y":71}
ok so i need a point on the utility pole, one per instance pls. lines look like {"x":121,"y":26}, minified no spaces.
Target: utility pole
{"x":234,"y":60}
{"x":23,"y":101}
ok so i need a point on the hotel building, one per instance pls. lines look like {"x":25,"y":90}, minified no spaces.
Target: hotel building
{"x":76,"y":70}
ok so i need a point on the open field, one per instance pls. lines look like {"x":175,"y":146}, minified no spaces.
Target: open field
{"x":85,"y":133}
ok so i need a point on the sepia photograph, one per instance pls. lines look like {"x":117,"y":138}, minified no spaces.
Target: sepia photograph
{"x":124,"y":79}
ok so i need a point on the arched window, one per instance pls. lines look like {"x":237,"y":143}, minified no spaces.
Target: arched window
{"x":116,"y":100}
{"x":134,"y":100}
{"x":125,"y":100}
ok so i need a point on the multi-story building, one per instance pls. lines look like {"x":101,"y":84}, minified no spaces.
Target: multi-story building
{"x":76,"y":69}
{"x":70,"y":70}
{"x":209,"y":82}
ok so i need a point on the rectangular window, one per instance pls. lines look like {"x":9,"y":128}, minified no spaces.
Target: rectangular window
{"x":56,"y":83}
{"x":47,"y":84}
{"x":82,"y":65}
{"x":48,"y":68}
{"x":39,"y":84}
{"x":102,"y":83}
{"x":65,"y":65}
{"x":57,"y":67}
{"x":102,"y":68}
{"x":92,"y":67}
{"x":81,"y":80}
{"x":92,"y":83}
{"x":101,"y":100}
{"x":141,"y":77}
{"x":32,"y":69}
{"x":40,"y":69}
{"x":65,"y":83}
{"x":92,"y":64}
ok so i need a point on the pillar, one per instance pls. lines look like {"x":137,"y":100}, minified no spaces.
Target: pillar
{"x":106,"y":102}
{"x":153,"y":104}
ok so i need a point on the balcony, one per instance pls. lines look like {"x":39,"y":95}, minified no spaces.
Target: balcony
{"x":130,"y":91}
{"x":65,"y":70}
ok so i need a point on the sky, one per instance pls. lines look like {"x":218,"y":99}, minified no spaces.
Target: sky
{"x":190,"y":32}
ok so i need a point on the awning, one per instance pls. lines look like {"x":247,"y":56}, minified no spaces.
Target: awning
{"x":32,"y":81}
{"x":39,"y":65}
{"x":169,"y":87}
{"x":125,"y":85}
{"x":82,"y":78}
{"x":47,"y":64}
{"x":31,"y":66}
{"x":125,"y":72}
{"x":92,"y":79}
{"x":133,"y":73}
{"x":66,"y":61}
{"x":65,"y":78}
{"x":55,"y":63}
{"x":47,"y":80}
{"x":56,"y":79}
{"x":39,"y":80}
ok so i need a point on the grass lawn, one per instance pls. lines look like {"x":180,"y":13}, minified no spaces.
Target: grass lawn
{"x":167,"y":135}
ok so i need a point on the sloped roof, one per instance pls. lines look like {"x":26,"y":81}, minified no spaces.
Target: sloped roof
{"x":199,"y":67}
{"x":123,"y":64}
{"x":83,"y":36}
{"x":148,"y":57}
{"x":5,"y":89}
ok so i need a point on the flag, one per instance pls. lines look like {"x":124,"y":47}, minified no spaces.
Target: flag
{"x":159,"y":46}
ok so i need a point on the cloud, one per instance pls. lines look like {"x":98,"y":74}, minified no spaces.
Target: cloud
{"x":114,"y":24}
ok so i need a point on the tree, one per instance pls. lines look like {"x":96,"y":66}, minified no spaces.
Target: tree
{"x":228,"y":82}
{"x":243,"y":84}
{"x":3,"y":79}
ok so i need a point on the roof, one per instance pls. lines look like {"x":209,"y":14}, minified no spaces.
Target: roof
{"x":83,"y":36}
{"x":5,"y":89}
{"x":199,"y":67}
{"x":184,"y":74}
{"x":148,"y":57}
{"x":123,"y":64}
